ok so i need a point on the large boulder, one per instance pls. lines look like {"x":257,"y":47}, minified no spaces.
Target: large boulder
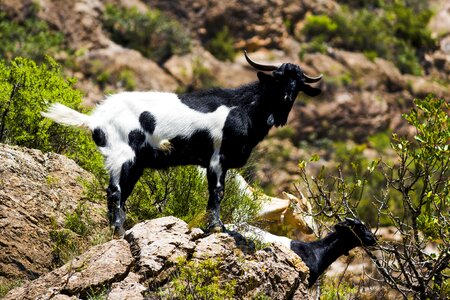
{"x":37,"y":192}
{"x":145,"y":262}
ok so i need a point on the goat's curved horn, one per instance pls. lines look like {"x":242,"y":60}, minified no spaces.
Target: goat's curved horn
{"x":309,"y":79}
{"x":259,"y":66}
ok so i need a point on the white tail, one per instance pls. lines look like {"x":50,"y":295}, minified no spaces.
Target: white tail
{"x":64,"y":115}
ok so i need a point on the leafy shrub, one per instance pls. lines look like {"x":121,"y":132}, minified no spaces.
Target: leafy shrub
{"x":79,"y":221}
{"x":317,"y":25}
{"x":222,"y":45}
{"x":200,"y":281}
{"x":29,"y":37}
{"x":26,"y":89}
{"x":392,"y":30}
{"x":183,"y":193}
{"x":153,"y":34}
{"x":414,"y":199}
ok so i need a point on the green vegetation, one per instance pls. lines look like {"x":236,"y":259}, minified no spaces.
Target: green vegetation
{"x":30,"y":37}
{"x":7,"y":285}
{"x":202,"y":77}
{"x":123,"y":78}
{"x":183,"y":193}
{"x":222,"y":45}
{"x":341,"y":290}
{"x":393,"y":30}
{"x":199,"y":281}
{"x":152,"y":33}
{"x":26,"y":89}
{"x":411,"y":193}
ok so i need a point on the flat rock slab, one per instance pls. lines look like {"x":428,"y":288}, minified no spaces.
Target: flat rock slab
{"x":96,"y":268}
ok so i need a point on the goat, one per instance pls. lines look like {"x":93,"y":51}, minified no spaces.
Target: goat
{"x":320,"y":254}
{"x":216,"y":129}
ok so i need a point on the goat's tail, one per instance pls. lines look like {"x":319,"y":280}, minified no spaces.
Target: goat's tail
{"x":64,"y":115}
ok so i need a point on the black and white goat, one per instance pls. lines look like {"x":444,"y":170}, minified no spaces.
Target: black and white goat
{"x":216,"y":129}
{"x":320,"y":254}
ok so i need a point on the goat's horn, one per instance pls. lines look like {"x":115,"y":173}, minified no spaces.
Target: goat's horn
{"x":309,"y":79}
{"x":259,"y":66}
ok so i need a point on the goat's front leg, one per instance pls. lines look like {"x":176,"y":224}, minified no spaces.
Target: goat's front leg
{"x":216,"y":187}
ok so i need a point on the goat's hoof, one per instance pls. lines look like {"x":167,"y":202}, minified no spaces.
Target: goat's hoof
{"x":119,"y":231}
{"x":216,"y":228}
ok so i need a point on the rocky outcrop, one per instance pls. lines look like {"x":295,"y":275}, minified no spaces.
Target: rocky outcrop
{"x":254,"y":23}
{"x":37,"y":191}
{"x":144,"y":263}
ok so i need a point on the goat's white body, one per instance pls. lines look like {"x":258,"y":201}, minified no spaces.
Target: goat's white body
{"x":118,"y":115}
{"x":252,"y":232}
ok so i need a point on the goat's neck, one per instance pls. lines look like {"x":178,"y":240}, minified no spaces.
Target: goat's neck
{"x":254,"y":100}
{"x":328,"y":249}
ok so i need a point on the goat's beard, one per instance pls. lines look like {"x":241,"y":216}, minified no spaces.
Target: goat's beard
{"x":279,"y":118}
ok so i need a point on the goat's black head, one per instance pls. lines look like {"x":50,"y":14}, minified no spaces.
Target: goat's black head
{"x":285,"y":83}
{"x":355,"y":233}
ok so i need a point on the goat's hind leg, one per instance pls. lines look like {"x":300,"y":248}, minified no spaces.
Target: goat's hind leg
{"x":116,"y":214}
{"x":216,"y":188}
{"x":118,"y":192}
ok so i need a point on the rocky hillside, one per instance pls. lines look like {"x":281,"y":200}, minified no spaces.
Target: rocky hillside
{"x":361,"y":96}
{"x":146,"y":261}
{"x":42,"y":195}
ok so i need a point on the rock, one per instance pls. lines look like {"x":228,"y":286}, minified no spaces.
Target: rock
{"x":37,"y":190}
{"x":420,"y":87}
{"x":92,"y":270}
{"x":324,"y":64}
{"x":115,"y":61}
{"x":439,"y":24}
{"x":143,"y":264}
{"x":159,"y":242}
{"x":80,"y":21}
{"x":128,"y":289}
{"x":187,"y":68}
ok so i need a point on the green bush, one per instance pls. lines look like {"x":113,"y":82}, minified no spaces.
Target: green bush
{"x":153,"y":34}
{"x":414,"y":198}
{"x":29,"y":37}
{"x":222,"y":45}
{"x":26,"y":89}
{"x":392,"y":30}
{"x":199,"y":281}
{"x":183,"y":193}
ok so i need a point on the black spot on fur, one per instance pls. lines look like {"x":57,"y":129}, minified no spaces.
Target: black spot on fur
{"x":99,"y":137}
{"x":136,"y":139}
{"x":148,"y":121}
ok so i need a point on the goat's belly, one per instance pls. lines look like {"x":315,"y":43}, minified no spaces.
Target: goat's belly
{"x":196,"y":150}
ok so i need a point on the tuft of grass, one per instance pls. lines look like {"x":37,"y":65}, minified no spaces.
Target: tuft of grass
{"x":199,"y":280}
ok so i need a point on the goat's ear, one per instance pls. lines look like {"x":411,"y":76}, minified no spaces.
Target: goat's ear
{"x":341,"y":226}
{"x":310,"y":91}
{"x":263,"y":77}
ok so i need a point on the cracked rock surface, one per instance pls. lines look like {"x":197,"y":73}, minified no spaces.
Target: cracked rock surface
{"x":142,"y":265}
